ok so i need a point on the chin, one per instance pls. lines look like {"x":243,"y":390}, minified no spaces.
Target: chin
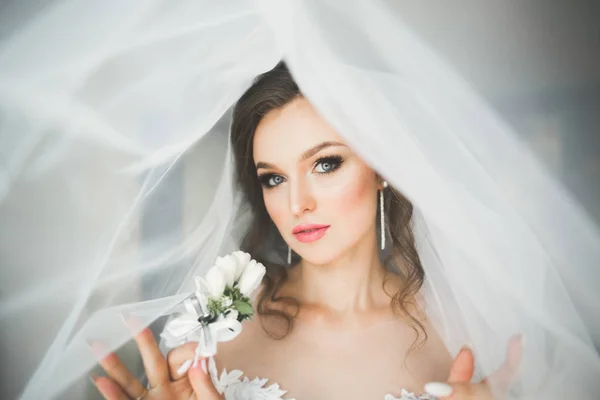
{"x":322,"y":256}
{"x":319,"y":260}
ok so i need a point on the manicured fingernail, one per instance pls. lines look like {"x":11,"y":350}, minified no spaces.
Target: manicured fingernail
{"x":466,"y":347}
{"x":125,"y":317}
{"x":132,"y":322}
{"x":184,"y":367}
{"x":200,"y":363}
{"x":438,"y":389}
{"x":517,"y":337}
{"x":98,"y":347}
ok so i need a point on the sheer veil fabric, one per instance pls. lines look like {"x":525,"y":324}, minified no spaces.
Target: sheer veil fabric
{"x":116,"y":182}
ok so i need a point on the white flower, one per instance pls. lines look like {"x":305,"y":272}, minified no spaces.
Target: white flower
{"x":215,"y":280}
{"x":236,"y":270}
{"x":242,"y":261}
{"x":202,"y":289}
{"x":251,"y":277}
{"x":228,"y":265}
{"x":233,"y":265}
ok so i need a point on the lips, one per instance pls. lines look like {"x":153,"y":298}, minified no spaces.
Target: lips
{"x":310,"y":232}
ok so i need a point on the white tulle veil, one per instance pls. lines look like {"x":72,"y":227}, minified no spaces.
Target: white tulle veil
{"x":116,"y":179}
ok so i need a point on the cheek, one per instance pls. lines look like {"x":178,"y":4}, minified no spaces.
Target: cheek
{"x":353,"y":200}
{"x":347,"y":199}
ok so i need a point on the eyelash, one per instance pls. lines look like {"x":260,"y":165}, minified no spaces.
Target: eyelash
{"x":335,"y":161}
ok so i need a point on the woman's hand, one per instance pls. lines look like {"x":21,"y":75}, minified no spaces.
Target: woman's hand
{"x":164,"y":381}
{"x":459,"y":387}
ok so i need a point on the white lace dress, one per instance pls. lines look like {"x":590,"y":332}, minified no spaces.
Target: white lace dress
{"x":235,"y":386}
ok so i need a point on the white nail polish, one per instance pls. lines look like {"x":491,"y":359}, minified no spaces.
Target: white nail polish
{"x":438,"y":389}
{"x":184,"y":367}
{"x":203,"y":365}
{"x":123,"y":316}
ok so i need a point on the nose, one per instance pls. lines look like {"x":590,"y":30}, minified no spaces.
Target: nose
{"x":301,"y":197}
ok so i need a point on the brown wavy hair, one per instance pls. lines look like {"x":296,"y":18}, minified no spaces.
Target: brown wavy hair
{"x":273,"y":90}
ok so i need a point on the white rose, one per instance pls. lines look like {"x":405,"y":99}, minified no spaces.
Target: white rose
{"x":242,"y":260}
{"x":215,"y":280}
{"x":202,"y":290}
{"x":251,"y":277}
{"x":229,"y":265}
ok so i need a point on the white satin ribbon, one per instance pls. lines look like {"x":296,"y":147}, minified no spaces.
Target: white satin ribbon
{"x":208,"y":336}
{"x":187,"y":328}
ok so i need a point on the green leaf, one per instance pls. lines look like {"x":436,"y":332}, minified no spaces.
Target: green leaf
{"x":243,"y":307}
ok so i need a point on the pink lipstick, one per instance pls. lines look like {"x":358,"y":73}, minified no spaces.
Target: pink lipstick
{"x":310,"y":232}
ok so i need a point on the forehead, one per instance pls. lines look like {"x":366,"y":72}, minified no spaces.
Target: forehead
{"x":286,"y":133}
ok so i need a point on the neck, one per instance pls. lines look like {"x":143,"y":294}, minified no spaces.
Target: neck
{"x":351,"y":283}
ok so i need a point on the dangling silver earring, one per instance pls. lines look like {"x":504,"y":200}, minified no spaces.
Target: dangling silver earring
{"x":382,"y":215}
{"x":289,"y":260}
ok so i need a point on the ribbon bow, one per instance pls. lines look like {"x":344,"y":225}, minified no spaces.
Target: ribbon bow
{"x":190,"y":327}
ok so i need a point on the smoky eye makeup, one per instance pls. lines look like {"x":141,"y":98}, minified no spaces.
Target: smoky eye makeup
{"x":327,"y":164}
{"x":323,"y":165}
{"x":270,"y":180}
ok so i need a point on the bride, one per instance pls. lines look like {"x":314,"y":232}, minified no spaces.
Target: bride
{"x":322,"y":320}
{"x":414,"y":246}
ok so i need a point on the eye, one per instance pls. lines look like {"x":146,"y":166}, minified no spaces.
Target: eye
{"x":326,"y":165}
{"x":275,"y":180}
{"x":269,"y":181}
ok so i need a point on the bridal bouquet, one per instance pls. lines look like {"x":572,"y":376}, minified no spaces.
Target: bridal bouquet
{"x":221,"y":301}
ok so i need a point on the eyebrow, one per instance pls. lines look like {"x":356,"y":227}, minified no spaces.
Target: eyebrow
{"x":306,"y":155}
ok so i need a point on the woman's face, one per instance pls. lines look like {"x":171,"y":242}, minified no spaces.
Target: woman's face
{"x":321,"y":196}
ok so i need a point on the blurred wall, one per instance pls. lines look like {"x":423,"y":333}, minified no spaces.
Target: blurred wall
{"x":538,"y":63}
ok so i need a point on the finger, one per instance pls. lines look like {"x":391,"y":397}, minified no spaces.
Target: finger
{"x":179,"y":356}
{"x":463,"y":366}
{"x":505,"y":375}
{"x":155,"y":363}
{"x":109,"y":389}
{"x":201,"y":382}
{"x":115,"y":369}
